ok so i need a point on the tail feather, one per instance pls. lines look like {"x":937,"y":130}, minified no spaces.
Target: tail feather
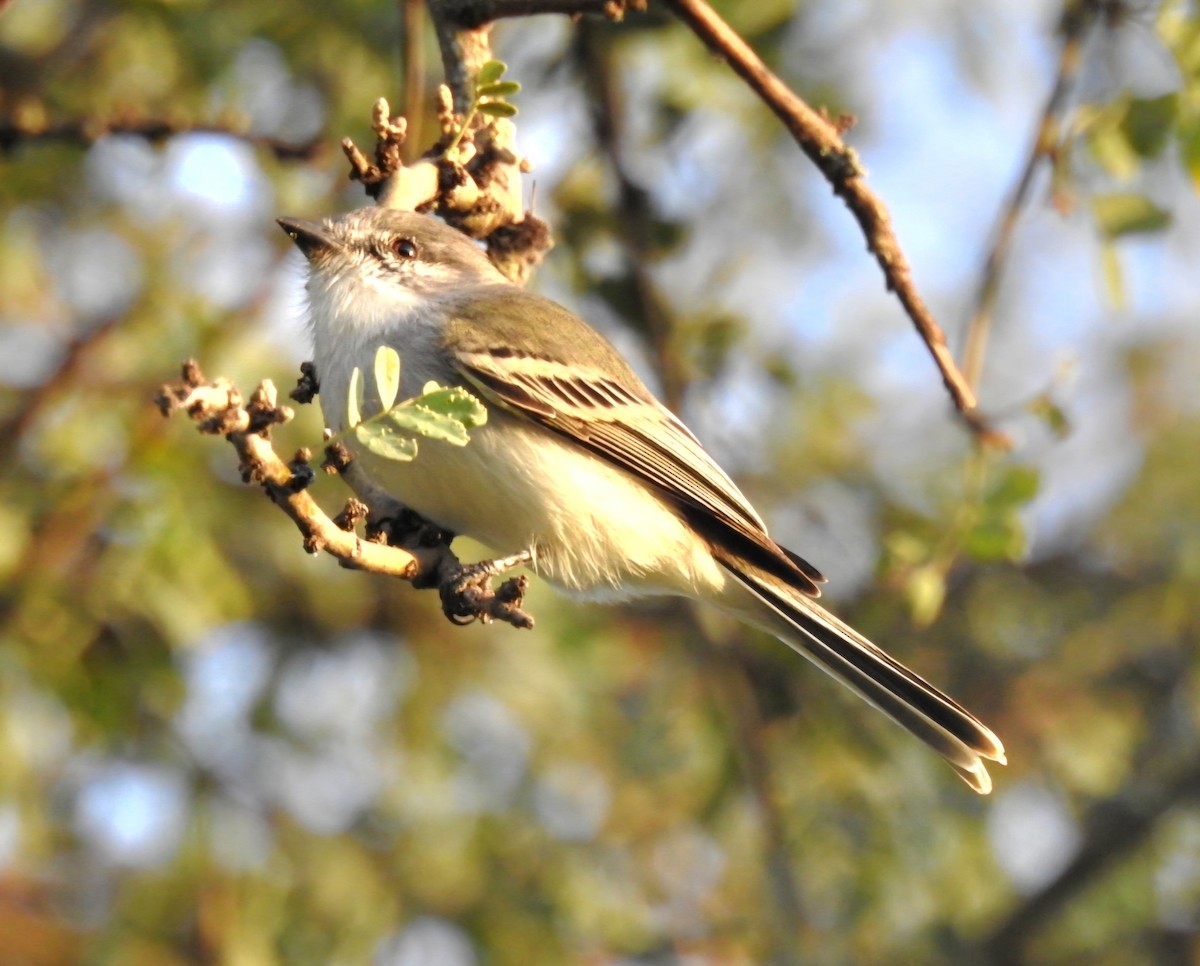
{"x":939,"y":721}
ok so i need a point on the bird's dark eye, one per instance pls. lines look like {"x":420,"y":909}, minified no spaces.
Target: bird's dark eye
{"x":404,"y":248}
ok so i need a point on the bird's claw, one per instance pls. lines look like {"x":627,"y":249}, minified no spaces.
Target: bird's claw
{"x":467,"y":593}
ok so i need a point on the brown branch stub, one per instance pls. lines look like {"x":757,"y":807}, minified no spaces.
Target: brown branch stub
{"x":517,"y":248}
{"x":985,"y":433}
{"x":819,"y":137}
{"x":387,"y":180}
{"x":478,"y":190}
{"x":264,"y":409}
{"x":360,"y":168}
{"x":390,"y":135}
{"x":412,"y":552}
{"x":353,"y":514}
{"x":307,"y":386}
{"x":302,"y":471}
{"x":337,"y":458}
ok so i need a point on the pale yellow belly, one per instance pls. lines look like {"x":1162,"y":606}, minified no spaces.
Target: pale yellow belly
{"x":593,"y":528}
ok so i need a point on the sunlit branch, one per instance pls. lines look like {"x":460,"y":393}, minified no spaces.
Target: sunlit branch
{"x":821,"y":141}
{"x":406,"y":549}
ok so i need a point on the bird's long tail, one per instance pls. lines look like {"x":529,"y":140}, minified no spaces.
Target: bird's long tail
{"x":939,"y":721}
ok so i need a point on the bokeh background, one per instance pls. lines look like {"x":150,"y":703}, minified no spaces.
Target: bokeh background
{"x":214,"y":748}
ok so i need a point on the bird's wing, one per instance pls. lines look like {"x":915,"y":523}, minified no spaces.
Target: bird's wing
{"x":596,"y":401}
{"x":581,"y":389}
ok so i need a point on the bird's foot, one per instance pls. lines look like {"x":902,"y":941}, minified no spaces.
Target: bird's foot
{"x":467,"y":593}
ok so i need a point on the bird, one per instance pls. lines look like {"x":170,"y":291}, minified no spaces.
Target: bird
{"x":578,"y":463}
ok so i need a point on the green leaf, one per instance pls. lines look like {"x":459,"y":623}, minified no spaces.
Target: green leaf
{"x":384,"y":441}
{"x":999,"y":533}
{"x":499,"y":89}
{"x":497,"y":109}
{"x":996,"y":537}
{"x":1052,"y":414}
{"x":1019,"y":485}
{"x":1114,"y":278}
{"x":1148,"y":123}
{"x":442,"y":414}
{"x":926,"y":592}
{"x":1189,"y":150}
{"x":387,"y":375}
{"x":490,"y":72}
{"x":354,"y":398}
{"x":455,"y":402}
{"x":1106,"y":140}
{"x":417,"y":419}
{"x":1126,"y":213}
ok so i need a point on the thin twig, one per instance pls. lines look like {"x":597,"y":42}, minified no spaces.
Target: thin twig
{"x":1115,"y":828}
{"x":477,"y":187}
{"x":217,"y":408}
{"x":412,"y":20}
{"x":633,"y":216}
{"x":35,"y":401}
{"x":1077,"y":18}
{"x":476,"y":13}
{"x":725,"y":673}
{"x":84,"y":132}
{"x":819,"y":138}
{"x":463,"y":26}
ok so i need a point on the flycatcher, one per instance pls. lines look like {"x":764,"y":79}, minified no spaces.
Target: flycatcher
{"x":577,"y":463}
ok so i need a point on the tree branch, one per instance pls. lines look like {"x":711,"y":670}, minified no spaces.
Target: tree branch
{"x":1078,"y":17}
{"x":821,"y":141}
{"x":476,"y":186}
{"x":481,"y":195}
{"x":1115,"y":828}
{"x":633,"y":221}
{"x":476,"y":13}
{"x":413,"y":52}
{"x":462,"y":29}
{"x":29,"y":126}
{"x":1166,"y":776}
{"x":406,"y":547}
{"x":724,"y":670}
{"x":35,"y":401}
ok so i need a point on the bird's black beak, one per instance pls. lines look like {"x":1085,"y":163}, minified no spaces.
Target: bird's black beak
{"x":310,"y":238}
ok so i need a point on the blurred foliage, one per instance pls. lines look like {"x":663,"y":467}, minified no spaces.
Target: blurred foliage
{"x":218,"y":750}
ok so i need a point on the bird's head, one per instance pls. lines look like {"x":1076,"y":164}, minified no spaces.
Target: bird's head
{"x":380,"y":263}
